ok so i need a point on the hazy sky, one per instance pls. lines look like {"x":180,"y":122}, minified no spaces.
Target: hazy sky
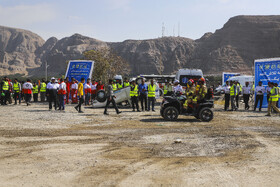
{"x":118,"y":20}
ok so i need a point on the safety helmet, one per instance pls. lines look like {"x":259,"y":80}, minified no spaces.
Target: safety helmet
{"x":190,"y":82}
{"x":202,"y":79}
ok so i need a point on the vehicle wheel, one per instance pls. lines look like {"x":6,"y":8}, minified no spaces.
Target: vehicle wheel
{"x":101,"y":96}
{"x":206,"y":114}
{"x":170,"y":113}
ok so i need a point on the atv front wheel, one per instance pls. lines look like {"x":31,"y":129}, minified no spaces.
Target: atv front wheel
{"x":170,"y":113}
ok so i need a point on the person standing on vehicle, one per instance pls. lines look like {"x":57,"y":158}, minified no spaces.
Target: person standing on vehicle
{"x":62,"y":91}
{"x":52,"y":88}
{"x":17,"y":90}
{"x":151,"y":95}
{"x":27,"y":90}
{"x":143,"y":90}
{"x":110,"y":98}
{"x":134,"y":96}
{"x":177,"y":87}
{"x":43,"y":89}
{"x":35,"y":91}
{"x":227,"y":95}
{"x":246,"y":91}
{"x":81,"y":95}
{"x":260,"y":90}
{"x":232,"y":95}
{"x":273,"y":99}
{"x":238,"y":92}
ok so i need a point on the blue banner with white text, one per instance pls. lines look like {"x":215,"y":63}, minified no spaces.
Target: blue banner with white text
{"x":226,"y":76}
{"x":267,"y":70}
{"x":79,"y":69}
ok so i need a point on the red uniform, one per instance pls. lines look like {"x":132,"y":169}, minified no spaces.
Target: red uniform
{"x":68,"y":86}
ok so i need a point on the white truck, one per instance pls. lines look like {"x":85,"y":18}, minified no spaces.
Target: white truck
{"x":184,"y":75}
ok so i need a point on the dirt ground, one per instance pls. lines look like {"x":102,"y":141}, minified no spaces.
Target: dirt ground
{"x":50,"y":148}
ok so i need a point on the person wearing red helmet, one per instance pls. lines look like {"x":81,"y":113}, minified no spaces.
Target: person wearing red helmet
{"x":202,"y":89}
{"x":190,"y":93}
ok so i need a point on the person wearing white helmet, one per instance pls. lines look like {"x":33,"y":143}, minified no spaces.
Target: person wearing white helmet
{"x":177,"y":87}
{"x":52,"y":88}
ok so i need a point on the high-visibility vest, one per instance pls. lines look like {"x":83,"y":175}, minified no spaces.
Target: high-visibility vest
{"x":119,"y":86}
{"x":16,"y":87}
{"x":5,"y":85}
{"x":134,"y":91}
{"x":165,"y":89}
{"x":35,"y":89}
{"x":126,"y":84}
{"x":152,"y":91}
{"x":43,"y":87}
{"x":274,"y":94}
{"x":114,"y":87}
{"x":232,"y":90}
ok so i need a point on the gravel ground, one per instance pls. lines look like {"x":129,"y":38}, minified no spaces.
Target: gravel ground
{"x":52,"y":148}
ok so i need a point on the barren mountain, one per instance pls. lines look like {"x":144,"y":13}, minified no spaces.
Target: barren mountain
{"x":231,"y":48}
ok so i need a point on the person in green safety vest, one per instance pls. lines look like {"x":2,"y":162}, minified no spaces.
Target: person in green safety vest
{"x":238,"y":92}
{"x":167,"y":89}
{"x":42,"y":90}
{"x":17,"y":91}
{"x":126,"y":83}
{"x":273,"y":98}
{"x":151,"y":95}
{"x":232,"y":92}
{"x":35,"y":91}
{"x":114,"y":85}
{"x":134,"y":95}
{"x":5,"y":91}
{"x":119,"y":85}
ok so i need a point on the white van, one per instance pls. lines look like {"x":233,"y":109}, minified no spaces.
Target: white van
{"x":242,"y":79}
{"x":183,"y":75}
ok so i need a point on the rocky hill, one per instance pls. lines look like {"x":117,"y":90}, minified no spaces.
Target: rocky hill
{"x":231,"y":48}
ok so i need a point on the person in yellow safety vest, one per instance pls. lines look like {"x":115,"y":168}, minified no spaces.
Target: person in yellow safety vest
{"x":114,"y":85}
{"x":5,"y":91}
{"x":238,"y":92}
{"x":35,"y":91}
{"x":134,"y":96}
{"x":119,"y":85}
{"x":273,"y":99}
{"x":126,"y":83}
{"x":202,"y":90}
{"x":43,"y":89}
{"x":232,"y":92}
{"x":167,"y":89}
{"x":17,"y":90}
{"x":151,"y":96}
{"x":190,"y":93}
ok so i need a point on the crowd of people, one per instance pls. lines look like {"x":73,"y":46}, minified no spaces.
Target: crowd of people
{"x":233,"y":90}
{"x":59,"y":92}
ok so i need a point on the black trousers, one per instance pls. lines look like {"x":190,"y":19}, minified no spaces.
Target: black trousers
{"x":134,"y":101}
{"x":237,"y":101}
{"x":53,"y":99}
{"x":246,"y":100}
{"x":17,"y":97}
{"x":111,"y":100}
{"x":35,"y":97}
{"x":227,"y":99}
{"x":81,"y":101}
{"x":258,"y":98}
{"x":143,"y":100}
{"x":27,"y":98}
